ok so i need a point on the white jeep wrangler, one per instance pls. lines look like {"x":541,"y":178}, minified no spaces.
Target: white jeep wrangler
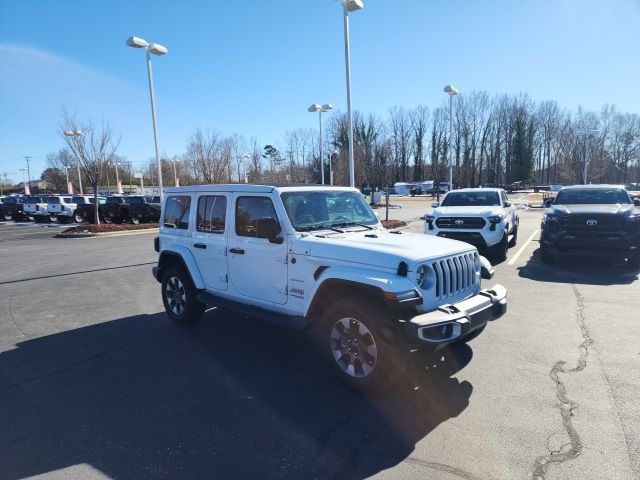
{"x":483,"y":217}
{"x":318,"y":258}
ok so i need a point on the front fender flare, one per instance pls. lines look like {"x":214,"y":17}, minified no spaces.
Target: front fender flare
{"x":381,"y":281}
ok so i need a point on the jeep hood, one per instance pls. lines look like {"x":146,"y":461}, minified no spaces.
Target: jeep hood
{"x":595,"y":209}
{"x":380,"y":248}
{"x":467,"y":211}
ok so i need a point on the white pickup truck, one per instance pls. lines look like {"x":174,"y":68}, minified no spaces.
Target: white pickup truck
{"x":318,"y":258}
{"x":483,"y":217}
{"x":36,"y":207}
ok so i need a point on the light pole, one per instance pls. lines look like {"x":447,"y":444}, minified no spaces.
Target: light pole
{"x":240,"y":158}
{"x":117,"y":179}
{"x":24,"y":181}
{"x":587,"y":134}
{"x":66,"y":172}
{"x":75,"y":134}
{"x":349,"y":6}
{"x":175,"y":172}
{"x":159,"y":50}
{"x":320,"y":108}
{"x":451,"y":91}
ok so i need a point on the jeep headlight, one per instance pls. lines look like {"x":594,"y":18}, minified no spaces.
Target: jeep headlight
{"x":421,"y":276}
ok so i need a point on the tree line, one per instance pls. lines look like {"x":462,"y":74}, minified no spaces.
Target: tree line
{"x":494,"y":140}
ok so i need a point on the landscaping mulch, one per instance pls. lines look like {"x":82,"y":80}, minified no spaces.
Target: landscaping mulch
{"x":108,"y":227}
{"x":389,"y":224}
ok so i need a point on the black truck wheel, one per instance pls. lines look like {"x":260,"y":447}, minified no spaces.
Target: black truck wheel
{"x":501,"y":250}
{"x":366,"y":350}
{"x":179,"y":297}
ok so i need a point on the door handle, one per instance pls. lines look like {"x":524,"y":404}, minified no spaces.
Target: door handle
{"x":238,"y":251}
{"x":200,"y":245}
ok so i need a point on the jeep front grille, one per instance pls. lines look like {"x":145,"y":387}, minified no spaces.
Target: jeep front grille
{"x":460,"y":222}
{"x":455,"y":275}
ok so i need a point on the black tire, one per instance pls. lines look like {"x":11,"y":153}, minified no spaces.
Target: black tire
{"x":135,"y":220}
{"x":6,"y":217}
{"x":475,"y":334}
{"x":545,"y":255}
{"x":366,"y":350}
{"x":179,"y":297}
{"x":53,"y":218}
{"x":514,"y":238}
{"x":107,"y":219}
{"x":78,"y":218}
{"x":501,"y":250}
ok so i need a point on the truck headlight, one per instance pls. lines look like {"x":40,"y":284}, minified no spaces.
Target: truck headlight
{"x":494,"y":220}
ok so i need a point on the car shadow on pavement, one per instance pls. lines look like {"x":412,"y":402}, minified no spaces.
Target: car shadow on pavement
{"x":228,"y":398}
{"x":579,"y":270}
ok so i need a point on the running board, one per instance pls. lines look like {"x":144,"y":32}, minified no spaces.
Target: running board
{"x":296,"y":322}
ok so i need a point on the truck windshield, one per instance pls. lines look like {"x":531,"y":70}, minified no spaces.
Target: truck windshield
{"x":317,"y":210}
{"x":592,"y":196}
{"x":135,"y":201}
{"x":471,"y":199}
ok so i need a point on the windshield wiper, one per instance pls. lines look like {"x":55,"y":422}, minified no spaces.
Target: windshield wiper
{"x":309,"y":228}
{"x":348,"y":224}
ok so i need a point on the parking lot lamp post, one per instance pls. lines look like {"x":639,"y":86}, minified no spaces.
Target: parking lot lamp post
{"x":320,"y":108}
{"x":66,"y":173}
{"x":24,"y":180}
{"x":159,"y":50}
{"x":587,"y":134}
{"x":349,"y":6}
{"x":451,"y":91}
{"x":74,"y":134}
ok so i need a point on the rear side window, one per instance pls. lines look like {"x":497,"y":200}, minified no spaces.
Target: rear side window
{"x":114,"y":200}
{"x":212,"y":210}
{"x":176,"y":212}
{"x":251,"y":209}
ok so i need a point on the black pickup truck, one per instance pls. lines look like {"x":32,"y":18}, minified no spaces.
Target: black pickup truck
{"x":11,"y":208}
{"x":144,"y":209}
{"x":592,"y":220}
{"x":137,"y":209}
{"x":85,"y":209}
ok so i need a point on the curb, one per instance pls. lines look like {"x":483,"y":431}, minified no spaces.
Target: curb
{"x":107,"y":234}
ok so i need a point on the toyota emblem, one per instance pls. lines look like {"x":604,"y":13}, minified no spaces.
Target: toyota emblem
{"x":459,"y":222}
{"x":592,"y":222}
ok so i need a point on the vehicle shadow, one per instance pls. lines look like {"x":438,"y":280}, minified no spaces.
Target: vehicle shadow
{"x":578,"y":270}
{"x":228,"y":398}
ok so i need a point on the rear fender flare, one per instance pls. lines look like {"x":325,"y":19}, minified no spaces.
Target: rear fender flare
{"x":177,"y":253}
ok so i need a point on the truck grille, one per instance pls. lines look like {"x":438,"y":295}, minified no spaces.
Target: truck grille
{"x":455,"y":275}
{"x":460,"y":222}
{"x":593,"y":224}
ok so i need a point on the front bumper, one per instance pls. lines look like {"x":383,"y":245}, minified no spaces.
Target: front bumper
{"x":454,"y":321}
{"x":602,"y":245}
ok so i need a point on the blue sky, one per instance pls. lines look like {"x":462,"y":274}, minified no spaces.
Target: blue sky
{"x":254,"y":66}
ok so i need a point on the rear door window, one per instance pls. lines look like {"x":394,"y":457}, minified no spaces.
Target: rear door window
{"x":176,"y":212}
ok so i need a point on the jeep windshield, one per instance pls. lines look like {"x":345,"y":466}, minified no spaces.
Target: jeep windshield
{"x":326,"y":210}
{"x":592,"y":196}
{"x":471,"y":199}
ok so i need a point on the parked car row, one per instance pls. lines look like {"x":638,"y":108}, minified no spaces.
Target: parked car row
{"x":592,"y":220}
{"x":80,"y":208}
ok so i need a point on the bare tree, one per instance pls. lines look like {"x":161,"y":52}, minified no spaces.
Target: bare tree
{"x":93,"y":148}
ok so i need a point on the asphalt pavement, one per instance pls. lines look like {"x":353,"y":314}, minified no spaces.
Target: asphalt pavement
{"x":96,"y":382}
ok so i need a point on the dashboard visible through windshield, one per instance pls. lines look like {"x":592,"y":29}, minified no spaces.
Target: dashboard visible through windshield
{"x":317,"y":210}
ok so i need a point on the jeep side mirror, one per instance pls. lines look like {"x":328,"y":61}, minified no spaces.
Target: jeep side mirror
{"x":548,"y":203}
{"x":636,"y":202}
{"x":507,"y":204}
{"x":268,"y":228}
{"x":435,"y":204}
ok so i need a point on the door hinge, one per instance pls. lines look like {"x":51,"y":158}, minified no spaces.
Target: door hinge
{"x":224,"y":277}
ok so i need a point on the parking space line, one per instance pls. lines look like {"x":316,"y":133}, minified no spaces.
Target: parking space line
{"x":519,"y":252}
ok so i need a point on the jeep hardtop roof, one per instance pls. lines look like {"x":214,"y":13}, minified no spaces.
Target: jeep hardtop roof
{"x":251,"y":188}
